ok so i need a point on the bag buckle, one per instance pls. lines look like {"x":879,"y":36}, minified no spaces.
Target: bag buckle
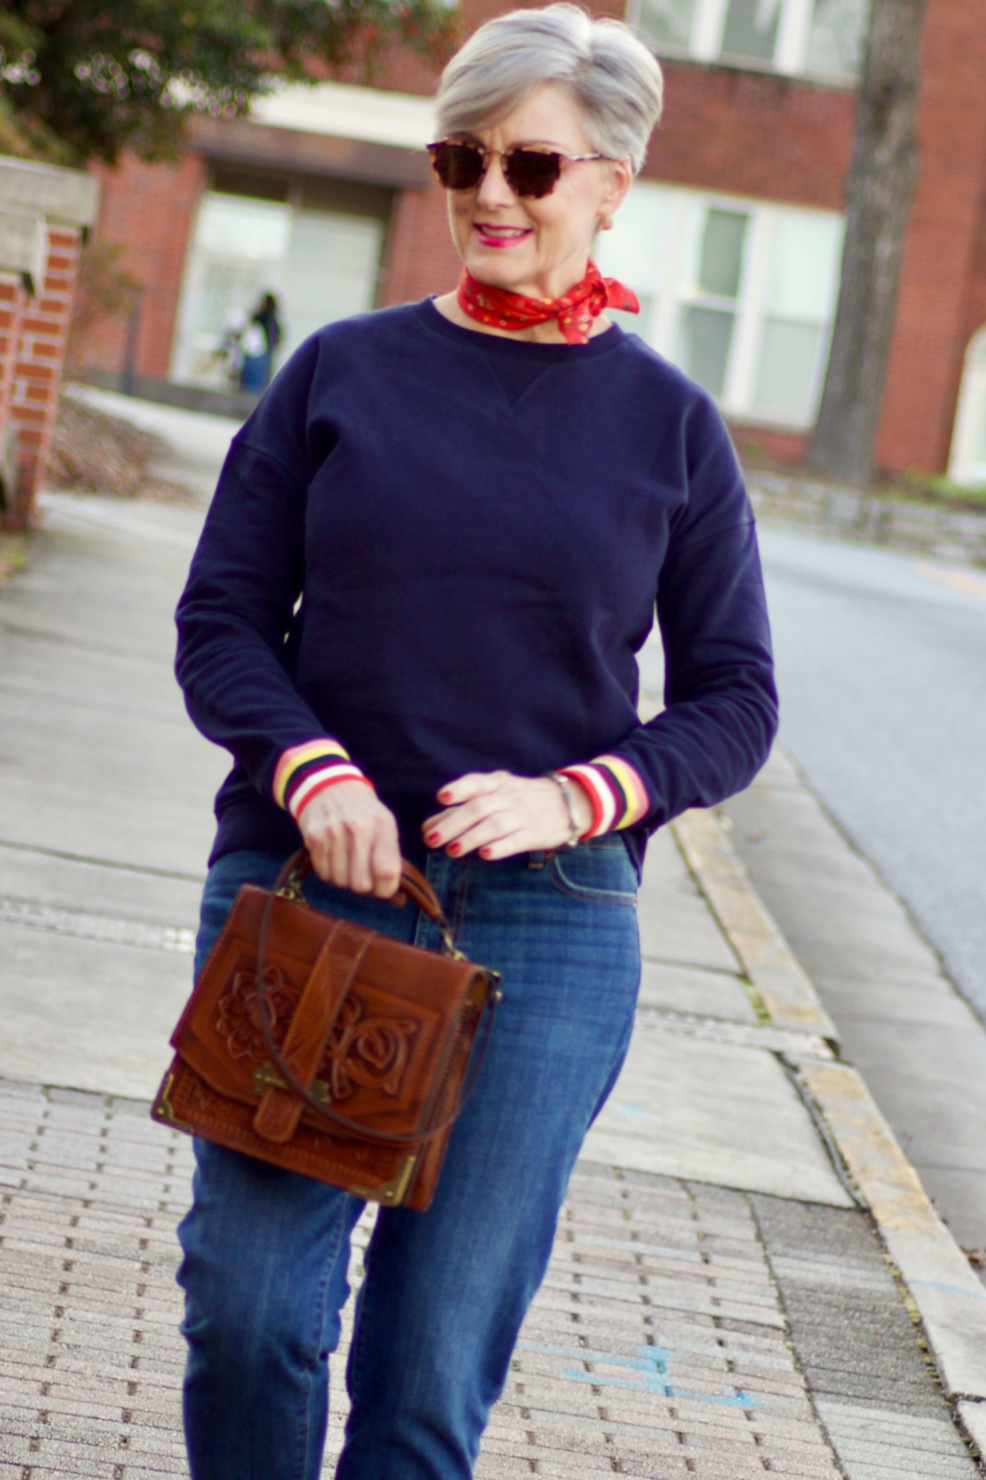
{"x":266,"y":1078}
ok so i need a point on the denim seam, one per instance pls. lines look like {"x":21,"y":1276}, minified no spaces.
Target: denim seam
{"x":319,"y":1307}
{"x":461,"y":897}
{"x":564,"y":885}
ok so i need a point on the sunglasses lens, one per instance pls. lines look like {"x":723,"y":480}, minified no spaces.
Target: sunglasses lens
{"x":458,"y":166}
{"x":531,"y":172}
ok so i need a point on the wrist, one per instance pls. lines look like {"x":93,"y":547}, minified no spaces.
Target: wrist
{"x":306,"y":770}
{"x":615,"y":790}
{"x":336,"y":778}
{"x":577,"y":806}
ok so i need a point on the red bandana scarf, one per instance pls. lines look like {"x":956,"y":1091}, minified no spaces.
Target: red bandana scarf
{"x":574,"y":310}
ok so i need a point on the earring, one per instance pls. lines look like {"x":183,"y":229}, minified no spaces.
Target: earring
{"x":605,"y":223}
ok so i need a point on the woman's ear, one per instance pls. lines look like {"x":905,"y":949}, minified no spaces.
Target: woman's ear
{"x":618,"y":182}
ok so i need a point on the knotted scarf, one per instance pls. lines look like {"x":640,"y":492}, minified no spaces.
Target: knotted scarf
{"x":574,"y":310}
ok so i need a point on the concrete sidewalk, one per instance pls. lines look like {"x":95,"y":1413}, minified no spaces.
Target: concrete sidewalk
{"x":747,"y":1279}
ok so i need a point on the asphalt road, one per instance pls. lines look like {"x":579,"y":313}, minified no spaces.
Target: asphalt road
{"x":882,"y":672}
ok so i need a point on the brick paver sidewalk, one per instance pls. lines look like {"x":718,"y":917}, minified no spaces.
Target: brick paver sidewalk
{"x":658,"y":1347}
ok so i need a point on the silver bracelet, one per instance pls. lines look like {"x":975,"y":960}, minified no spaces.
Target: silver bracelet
{"x":566,"y":791}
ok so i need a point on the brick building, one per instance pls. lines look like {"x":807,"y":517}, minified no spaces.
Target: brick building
{"x":731,"y":237}
{"x":44,"y":214}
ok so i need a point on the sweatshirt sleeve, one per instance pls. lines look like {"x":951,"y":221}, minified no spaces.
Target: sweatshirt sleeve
{"x":720,"y":713}
{"x":239,"y":603}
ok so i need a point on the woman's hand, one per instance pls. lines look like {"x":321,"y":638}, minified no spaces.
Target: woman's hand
{"x":498,"y":815}
{"x":352,"y":839}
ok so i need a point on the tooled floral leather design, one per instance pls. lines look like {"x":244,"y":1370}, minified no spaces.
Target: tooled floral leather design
{"x":366,"y":1050}
{"x":239,"y":1020}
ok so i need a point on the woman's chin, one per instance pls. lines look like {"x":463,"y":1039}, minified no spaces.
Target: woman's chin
{"x":487,"y":267}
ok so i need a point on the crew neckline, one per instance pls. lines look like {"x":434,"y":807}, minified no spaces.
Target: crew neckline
{"x":435,"y":321}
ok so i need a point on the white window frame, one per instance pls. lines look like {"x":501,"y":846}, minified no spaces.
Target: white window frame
{"x":674,"y":292}
{"x":965,"y":464}
{"x":708,"y":28}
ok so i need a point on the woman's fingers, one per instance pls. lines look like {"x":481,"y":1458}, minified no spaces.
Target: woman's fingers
{"x":475,"y":784}
{"x":498,"y":815}
{"x":352,"y":839}
{"x":470,"y":799}
{"x":385,"y":864}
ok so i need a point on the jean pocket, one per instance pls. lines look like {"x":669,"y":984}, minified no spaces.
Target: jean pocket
{"x":599,"y":870}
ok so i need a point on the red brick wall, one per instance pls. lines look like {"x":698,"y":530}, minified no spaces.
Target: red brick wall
{"x":420,"y":256}
{"x":758,"y":446}
{"x":975,"y":311}
{"x":942,"y":280}
{"x":38,"y":369}
{"x":12,"y":301}
{"x":750,"y":133}
{"x":150,"y":210}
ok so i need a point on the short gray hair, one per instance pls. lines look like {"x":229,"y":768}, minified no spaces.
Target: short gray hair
{"x":614,"y":78}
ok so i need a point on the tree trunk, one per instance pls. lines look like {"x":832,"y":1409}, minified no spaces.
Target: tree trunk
{"x":878,"y":197}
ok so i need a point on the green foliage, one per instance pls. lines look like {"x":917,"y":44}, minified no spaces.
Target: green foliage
{"x":107,"y":75}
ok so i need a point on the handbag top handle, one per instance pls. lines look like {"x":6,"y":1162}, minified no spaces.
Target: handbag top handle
{"x":413,"y":884}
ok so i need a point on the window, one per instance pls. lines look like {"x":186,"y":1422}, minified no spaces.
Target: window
{"x":817,"y":37}
{"x":741,"y":294}
{"x":315,"y":244}
{"x":710,"y":299}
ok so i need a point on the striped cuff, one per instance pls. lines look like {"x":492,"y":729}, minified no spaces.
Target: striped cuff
{"x":305,"y":770}
{"x":619,"y":797}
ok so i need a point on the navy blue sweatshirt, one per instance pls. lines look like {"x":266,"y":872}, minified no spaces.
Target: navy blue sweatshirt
{"x":435,"y":551}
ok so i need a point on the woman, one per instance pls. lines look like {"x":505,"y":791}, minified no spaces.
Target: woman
{"x":478,"y":499}
{"x":259,"y":341}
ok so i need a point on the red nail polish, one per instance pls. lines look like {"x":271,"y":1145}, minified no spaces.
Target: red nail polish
{"x":455,"y":849}
{"x":444,"y":796}
{"x":433,"y":839}
{"x":485,"y":852}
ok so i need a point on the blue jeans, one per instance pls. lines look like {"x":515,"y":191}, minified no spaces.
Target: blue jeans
{"x":445,"y":1292}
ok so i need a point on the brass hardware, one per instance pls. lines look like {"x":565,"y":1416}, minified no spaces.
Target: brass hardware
{"x":291,"y":888}
{"x":449,"y":946}
{"x":393,"y":1191}
{"x":265,"y":1078}
{"x":163,"y":1110}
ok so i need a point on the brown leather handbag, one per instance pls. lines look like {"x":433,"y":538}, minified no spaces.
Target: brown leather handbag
{"x":327,"y":1048}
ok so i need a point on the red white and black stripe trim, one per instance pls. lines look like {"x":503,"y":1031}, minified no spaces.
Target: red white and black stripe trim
{"x":619,"y":797}
{"x":305,"y":770}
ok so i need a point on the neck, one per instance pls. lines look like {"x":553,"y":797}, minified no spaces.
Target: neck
{"x":546,"y":333}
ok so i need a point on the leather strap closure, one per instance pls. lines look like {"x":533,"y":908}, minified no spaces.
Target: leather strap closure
{"x":328,"y":985}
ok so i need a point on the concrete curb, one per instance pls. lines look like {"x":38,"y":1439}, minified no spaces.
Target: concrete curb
{"x":946,"y":1292}
{"x":784,"y":988}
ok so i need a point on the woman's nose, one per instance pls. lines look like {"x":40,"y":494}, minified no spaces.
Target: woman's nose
{"x":493,"y":188}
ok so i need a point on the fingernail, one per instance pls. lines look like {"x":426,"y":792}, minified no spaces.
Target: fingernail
{"x":455,"y":849}
{"x":433,"y":839}
{"x":444,"y":796}
{"x":485,"y":852}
